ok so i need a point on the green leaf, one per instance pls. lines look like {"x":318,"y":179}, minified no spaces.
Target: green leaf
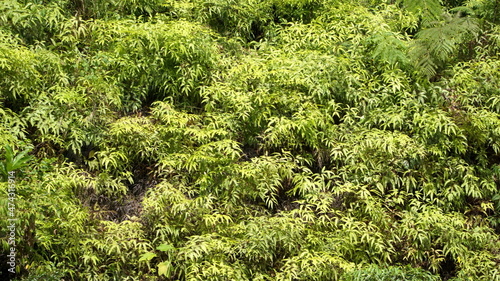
{"x":20,"y":159}
{"x":147,"y":256}
{"x":165,"y":247}
{"x":164,"y":268}
{"x":9,"y":154}
{"x":14,"y":162}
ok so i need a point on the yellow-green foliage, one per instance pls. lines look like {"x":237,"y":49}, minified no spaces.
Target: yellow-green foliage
{"x":251,"y":139}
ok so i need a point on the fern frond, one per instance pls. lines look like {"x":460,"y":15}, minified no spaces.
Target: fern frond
{"x":434,"y":46}
{"x":387,"y":48}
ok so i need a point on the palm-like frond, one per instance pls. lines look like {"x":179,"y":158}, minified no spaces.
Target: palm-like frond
{"x":436,"y":45}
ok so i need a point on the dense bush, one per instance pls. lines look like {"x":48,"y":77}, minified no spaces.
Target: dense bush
{"x":251,"y":140}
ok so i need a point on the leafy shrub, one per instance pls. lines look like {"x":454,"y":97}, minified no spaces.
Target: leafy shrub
{"x":252,"y":140}
{"x":376,"y":273}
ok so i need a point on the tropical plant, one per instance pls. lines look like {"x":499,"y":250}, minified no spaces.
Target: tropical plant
{"x":251,"y":139}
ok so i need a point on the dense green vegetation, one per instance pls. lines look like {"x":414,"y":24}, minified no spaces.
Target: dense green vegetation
{"x":251,"y":139}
